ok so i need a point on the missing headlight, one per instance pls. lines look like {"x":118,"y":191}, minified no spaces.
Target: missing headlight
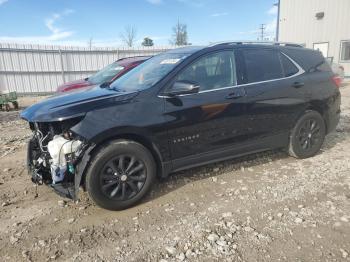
{"x":55,"y":150}
{"x":61,"y":151}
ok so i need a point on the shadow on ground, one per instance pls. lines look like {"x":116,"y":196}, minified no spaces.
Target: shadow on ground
{"x":179,"y":179}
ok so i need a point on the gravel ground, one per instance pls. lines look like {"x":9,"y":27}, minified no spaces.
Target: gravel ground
{"x":265,"y":207}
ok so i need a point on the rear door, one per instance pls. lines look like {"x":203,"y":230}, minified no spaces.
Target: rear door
{"x":275,"y":94}
{"x":211,"y":120}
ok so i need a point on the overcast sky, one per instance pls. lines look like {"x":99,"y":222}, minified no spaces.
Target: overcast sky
{"x":74,"y":22}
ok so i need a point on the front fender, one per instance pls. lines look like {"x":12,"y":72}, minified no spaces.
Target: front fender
{"x":81,"y":168}
{"x":139,"y":135}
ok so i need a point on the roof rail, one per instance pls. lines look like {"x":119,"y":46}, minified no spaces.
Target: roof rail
{"x":256,"y":42}
{"x":137,"y":56}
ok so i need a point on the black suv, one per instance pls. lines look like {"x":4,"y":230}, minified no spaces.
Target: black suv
{"x":182,"y":108}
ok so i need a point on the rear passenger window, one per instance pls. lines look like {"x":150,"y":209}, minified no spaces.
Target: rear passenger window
{"x":288,"y":67}
{"x":262,"y":65}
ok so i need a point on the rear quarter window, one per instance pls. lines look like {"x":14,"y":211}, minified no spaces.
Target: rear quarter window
{"x":289,"y":69}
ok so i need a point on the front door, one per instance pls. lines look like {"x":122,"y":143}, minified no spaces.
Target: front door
{"x":212,"y":119}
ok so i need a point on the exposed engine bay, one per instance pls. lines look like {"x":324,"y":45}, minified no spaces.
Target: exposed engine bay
{"x":53,"y":155}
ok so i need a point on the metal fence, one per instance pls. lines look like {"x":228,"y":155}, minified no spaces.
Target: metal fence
{"x":30,"y":69}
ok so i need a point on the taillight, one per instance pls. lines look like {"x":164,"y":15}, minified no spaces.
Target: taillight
{"x":337,"y":80}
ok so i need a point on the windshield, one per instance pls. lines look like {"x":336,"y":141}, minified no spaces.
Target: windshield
{"x":149,"y":73}
{"x":106,"y":74}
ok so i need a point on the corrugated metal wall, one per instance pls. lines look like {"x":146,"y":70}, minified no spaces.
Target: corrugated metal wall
{"x":40,"y":69}
{"x":298,"y":23}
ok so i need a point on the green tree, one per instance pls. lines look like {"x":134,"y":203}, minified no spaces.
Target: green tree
{"x":147,"y":42}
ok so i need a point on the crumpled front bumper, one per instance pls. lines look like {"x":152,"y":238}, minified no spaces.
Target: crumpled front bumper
{"x":65,"y":189}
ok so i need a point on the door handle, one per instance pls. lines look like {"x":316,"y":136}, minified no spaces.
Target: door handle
{"x":298,"y":84}
{"x":235,"y":95}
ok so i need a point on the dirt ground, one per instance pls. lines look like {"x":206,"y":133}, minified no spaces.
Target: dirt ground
{"x":265,"y":207}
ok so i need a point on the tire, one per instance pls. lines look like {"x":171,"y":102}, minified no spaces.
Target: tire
{"x":120,"y":175}
{"x":307,"y":136}
{"x":15,"y":105}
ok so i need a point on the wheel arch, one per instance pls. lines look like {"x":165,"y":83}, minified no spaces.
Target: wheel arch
{"x":319,"y":109}
{"x":136,"y":137}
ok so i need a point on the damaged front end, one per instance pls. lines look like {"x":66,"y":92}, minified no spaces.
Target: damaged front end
{"x":57,"y":157}
{"x":60,"y":148}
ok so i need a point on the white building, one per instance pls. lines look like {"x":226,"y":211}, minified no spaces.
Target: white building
{"x":318,"y":24}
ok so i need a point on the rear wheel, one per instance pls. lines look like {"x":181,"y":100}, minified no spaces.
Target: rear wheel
{"x":120,"y":175}
{"x":307,"y":136}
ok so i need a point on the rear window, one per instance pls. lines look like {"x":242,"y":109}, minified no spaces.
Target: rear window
{"x":262,"y":65}
{"x":324,"y":67}
{"x":289,"y":68}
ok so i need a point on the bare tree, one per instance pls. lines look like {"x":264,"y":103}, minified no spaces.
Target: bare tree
{"x":180,"y":36}
{"x":129,"y":35}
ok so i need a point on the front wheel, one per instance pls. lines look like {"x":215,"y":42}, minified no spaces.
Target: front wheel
{"x":307,"y":136}
{"x":120,"y":175}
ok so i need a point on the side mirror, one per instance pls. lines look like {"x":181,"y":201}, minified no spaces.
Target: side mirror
{"x":183,"y":88}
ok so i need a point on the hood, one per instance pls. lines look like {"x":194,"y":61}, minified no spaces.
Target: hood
{"x":70,"y":105}
{"x":74,"y":85}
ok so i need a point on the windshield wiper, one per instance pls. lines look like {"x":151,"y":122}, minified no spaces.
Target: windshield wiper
{"x":108,"y":85}
{"x":105,"y":85}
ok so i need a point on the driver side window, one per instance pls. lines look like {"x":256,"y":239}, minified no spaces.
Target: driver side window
{"x":216,"y":70}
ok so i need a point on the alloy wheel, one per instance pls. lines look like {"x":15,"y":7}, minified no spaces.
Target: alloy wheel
{"x":309,"y":134}
{"x":123,"y":177}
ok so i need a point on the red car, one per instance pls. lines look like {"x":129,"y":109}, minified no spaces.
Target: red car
{"x":105,"y":75}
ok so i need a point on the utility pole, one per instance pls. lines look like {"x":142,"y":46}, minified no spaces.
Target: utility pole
{"x":262,"y":28}
{"x":278,"y":5}
{"x":90,"y":43}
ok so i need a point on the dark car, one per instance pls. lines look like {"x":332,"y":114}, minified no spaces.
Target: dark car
{"x":106,"y":75}
{"x":180,"y":109}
